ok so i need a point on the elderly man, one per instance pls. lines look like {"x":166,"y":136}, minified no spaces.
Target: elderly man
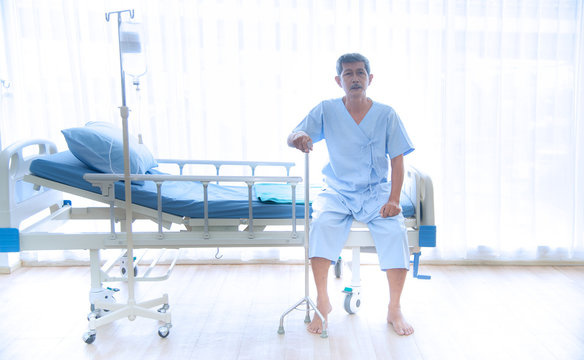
{"x":360,"y":135}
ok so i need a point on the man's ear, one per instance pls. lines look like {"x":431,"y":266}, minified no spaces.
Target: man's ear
{"x":338,"y":80}
{"x":370,"y":78}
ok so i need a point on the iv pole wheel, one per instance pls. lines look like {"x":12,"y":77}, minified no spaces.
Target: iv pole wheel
{"x":89,"y":337}
{"x":163,"y":331}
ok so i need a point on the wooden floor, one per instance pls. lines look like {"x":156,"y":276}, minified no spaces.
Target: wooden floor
{"x":233,"y":311}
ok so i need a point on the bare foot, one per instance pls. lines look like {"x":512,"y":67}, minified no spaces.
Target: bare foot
{"x":315,"y":325}
{"x":399,"y":323}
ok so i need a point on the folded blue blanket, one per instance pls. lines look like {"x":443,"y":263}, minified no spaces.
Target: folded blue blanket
{"x":282,"y":193}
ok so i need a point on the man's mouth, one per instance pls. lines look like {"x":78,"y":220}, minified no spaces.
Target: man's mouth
{"x":356,"y":86}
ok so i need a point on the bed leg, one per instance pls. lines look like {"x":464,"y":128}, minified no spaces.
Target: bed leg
{"x":356,"y":267}
{"x":339,"y":268}
{"x":95,"y":268}
{"x":352,"y":301}
{"x":416,"y":264}
{"x":97,"y":291}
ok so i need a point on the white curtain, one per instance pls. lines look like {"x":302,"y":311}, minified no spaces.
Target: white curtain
{"x":491,"y":93}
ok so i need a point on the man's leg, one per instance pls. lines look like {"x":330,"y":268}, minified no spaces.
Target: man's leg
{"x":320,"y":268}
{"x":331,"y":223}
{"x":391,"y":243}
{"x":396,"y":279}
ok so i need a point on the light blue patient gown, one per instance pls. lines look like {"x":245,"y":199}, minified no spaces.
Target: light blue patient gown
{"x":356,"y":180}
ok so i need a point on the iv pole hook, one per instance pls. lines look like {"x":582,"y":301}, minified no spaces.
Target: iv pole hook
{"x":107,"y":15}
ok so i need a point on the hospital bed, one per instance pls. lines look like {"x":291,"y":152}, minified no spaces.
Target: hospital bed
{"x":187,"y":212}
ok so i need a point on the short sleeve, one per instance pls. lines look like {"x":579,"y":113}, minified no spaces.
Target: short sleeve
{"x":398,"y":141}
{"x":313,"y":124}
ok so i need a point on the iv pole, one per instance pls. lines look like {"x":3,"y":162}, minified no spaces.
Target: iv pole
{"x":131,"y":309}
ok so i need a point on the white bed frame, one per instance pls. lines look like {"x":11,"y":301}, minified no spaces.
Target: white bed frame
{"x":24,"y":195}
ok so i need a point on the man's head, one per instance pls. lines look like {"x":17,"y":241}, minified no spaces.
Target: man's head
{"x":353,"y":74}
{"x":352,"y":58}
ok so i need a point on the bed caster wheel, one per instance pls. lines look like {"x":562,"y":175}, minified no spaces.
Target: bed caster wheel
{"x":89,"y":337}
{"x":105,"y":295}
{"x":124,"y":266}
{"x":94,"y":314}
{"x":164,"y":308}
{"x":339,"y":268}
{"x":123,"y":270}
{"x":352,"y":303}
{"x":163,"y":331}
{"x":97,"y":314}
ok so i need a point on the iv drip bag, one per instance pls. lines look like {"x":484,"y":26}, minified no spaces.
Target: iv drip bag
{"x":132,"y":48}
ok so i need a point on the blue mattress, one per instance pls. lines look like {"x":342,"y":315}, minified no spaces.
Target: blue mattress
{"x":181,"y":198}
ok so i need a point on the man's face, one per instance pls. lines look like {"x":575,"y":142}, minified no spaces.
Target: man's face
{"x":354,"y":78}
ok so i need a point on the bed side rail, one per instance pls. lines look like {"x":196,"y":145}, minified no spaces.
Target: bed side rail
{"x":219,"y":163}
{"x":19,"y":199}
{"x":106,"y":183}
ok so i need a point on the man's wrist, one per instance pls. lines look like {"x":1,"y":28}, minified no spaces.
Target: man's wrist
{"x":295,"y":135}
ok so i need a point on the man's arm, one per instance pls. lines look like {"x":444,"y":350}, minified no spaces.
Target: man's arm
{"x":391,"y":208}
{"x":301,"y":141}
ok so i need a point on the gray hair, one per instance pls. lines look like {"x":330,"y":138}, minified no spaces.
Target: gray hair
{"x":351,"y":58}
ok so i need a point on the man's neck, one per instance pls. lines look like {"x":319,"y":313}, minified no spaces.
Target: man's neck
{"x":357,"y":107}
{"x":357,"y":103}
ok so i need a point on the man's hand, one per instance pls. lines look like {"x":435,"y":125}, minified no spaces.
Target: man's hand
{"x":301,"y":141}
{"x":391,"y":208}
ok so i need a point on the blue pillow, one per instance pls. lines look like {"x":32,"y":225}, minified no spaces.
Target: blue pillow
{"x":99,"y":145}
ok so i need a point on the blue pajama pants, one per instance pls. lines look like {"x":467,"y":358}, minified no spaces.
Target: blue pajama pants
{"x":331,"y":223}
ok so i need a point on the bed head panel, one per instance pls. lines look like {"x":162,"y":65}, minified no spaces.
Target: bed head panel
{"x":418,"y":186}
{"x":19,"y":199}
{"x":410,"y":188}
{"x":426,"y":199}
